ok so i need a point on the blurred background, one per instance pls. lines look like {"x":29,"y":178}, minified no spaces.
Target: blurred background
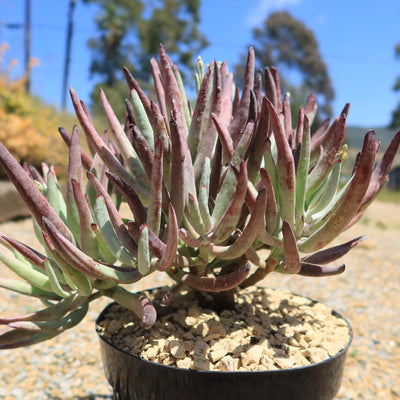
{"x":341,"y":50}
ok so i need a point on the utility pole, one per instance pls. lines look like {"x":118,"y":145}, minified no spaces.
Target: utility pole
{"x":67,"y":62}
{"x":28,"y":45}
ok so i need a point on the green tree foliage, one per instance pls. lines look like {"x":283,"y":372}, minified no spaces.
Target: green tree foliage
{"x":129,"y":34}
{"x":286,"y":43}
{"x":395,"y":123}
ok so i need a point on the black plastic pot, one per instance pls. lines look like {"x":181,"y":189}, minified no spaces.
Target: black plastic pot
{"x":133,"y":378}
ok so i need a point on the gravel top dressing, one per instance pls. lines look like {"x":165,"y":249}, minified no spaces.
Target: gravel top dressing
{"x":268,"y":329}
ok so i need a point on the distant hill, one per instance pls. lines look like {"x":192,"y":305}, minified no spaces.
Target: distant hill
{"x":355,"y":136}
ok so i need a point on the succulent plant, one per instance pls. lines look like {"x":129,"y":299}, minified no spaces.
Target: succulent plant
{"x":210,"y":189}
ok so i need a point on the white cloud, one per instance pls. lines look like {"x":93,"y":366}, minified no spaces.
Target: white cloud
{"x":260,"y":11}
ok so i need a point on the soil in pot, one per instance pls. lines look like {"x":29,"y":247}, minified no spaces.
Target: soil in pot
{"x":267,"y":330}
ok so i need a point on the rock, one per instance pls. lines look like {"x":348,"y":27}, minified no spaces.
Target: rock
{"x":150,"y":354}
{"x":218,"y":352}
{"x":177,"y":349}
{"x":184,"y":363}
{"x":201,"y":363}
{"x":254,"y":354}
{"x":228,"y":364}
{"x":283,"y":363}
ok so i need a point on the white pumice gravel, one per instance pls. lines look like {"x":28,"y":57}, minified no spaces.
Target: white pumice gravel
{"x":259,"y":334}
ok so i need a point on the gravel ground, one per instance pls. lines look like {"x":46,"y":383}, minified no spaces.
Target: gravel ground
{"x":69,"y":366}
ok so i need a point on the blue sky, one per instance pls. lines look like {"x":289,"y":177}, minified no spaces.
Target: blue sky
{"x":356,"y":39}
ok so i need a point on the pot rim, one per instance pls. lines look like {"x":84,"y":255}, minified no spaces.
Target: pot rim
{"x":277,"y":371}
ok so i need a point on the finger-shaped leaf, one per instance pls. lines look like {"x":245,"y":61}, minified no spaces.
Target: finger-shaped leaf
{"x":351,"y":201}
{"x":285,"y":168}
{"x":143,"y":149}
{"x":302,"y":168}
{"x":193,"y":215}
{"x":34,"y":199}
{"x":318,"y":219}
{"x":209,"y":132}
{"x":204,"y":209}
{"x":124,"y":145}
{"x":15,"y":338}
{"x":141,"y":103}
{"x":218,"y":283}
{"x":182,"y":92}
{"x":85,"y":264}
{"x":257,"y":146}
{"x":75,"y":279}
{"x":324,"y":166}
{"x":203,"y":195}
{"x":271,"y":213}
{"x":101,"y":148}
{"x":54,"y":326}
{"x":143,"y":258}
{"x":156,"y":187}
{"x":157,"y":246}
{"x":277,"y":83}
{"x":228,"y":223}
{"x":105,"y":253}
{"x":35,"y":278}
{"x":270,"y":167}
{"x":138,"y":303}
{"x":170,"y":253}
{"x":332,"y":254}
{"x":172,"y":93}
{"x":315,"y":270}
{"x":88,"y":239}
{"x":86,"y":159}
{"x":298,"y":134}
{"x":224,"y":137}
{"x":119,"y":227}
{"x":255,"y":225}
{"x":292,"y":261}
{"x":55,"y":284}
{"x":52,"y":312}
{"x":270,"y":88}
{"x":241,"y":114}
{"x":228,"y":89}
{"x":228,"y":185}
{"x":215,"y":175}
{"x":251,"y":192}
{"x":287,"y":119}
{"x":198,"y":114}
{"x":141,"y":118}
{"x":27,"y":289}
{"x":108,"y":233}
{"x":138,"y":210}
{"x":178,"y":181}
{"x":30,"y":254}
{"x":310,"y":108}
{"x":381,"y":171}
{"x":326,"y":193}
{"x":159,"y":88}
{"x":55,"y":196}
{"x":75,"y":172}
